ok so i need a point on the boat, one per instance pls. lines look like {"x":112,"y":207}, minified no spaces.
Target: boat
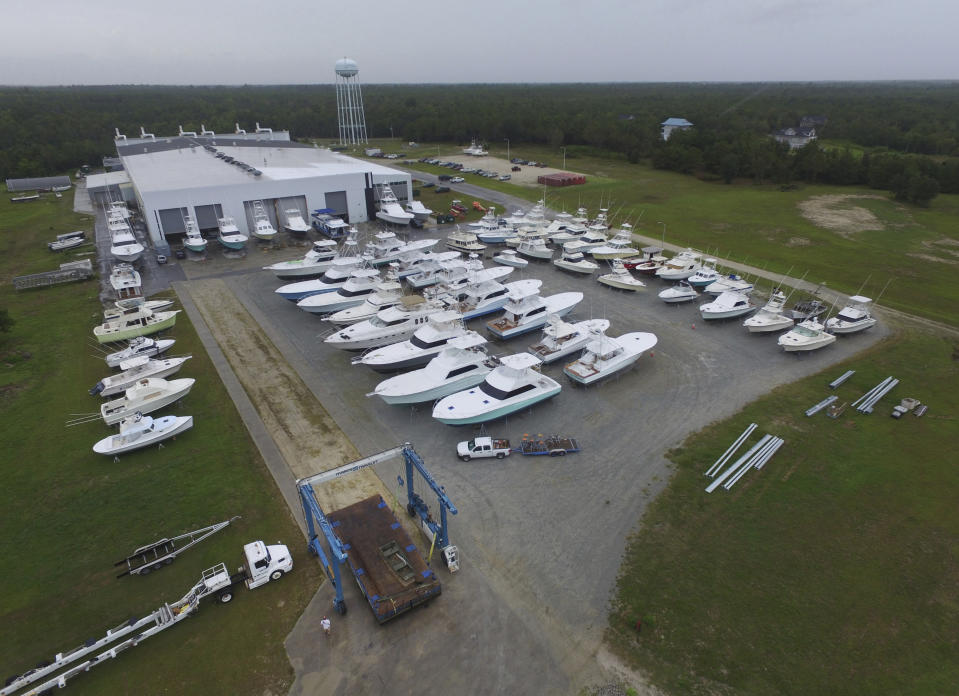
{"x":535,"y":247}
{"x":139,"y":431}
{"x":650,"y":261}
{"x":262,"y":227}
{"x":855,"y":316}
{"x":65,"y":244}
{"x":386,"y":247}
{"x":680,"y":292}
{"x":193,"y":240}
{"x":134,"y":304}
{"x":587,"y":241}
{"x":462,"y":240}
{"x":390,"y":209}
{"x":145,"y":396}
{"x":427,"y":340}
{"x":229,"y":235}
{"x":508,"y":257}
{"x":706,"y":275}
{"x":729,"y":282}
{"x":491,"y":230}
{"x":295,"y":224}
{"x":561,"y":338}
{"x":139,"y":347}
{"x":527,"y":311}
{"x":125,"y":281}
{"x":806,"y":309}
{"x":334,"y":278}
{"x":461,"y":364}
{"x":132,"y":324}
{"x":390,"y":325}
{"x":486,"y":295}
{"x":475,"y":149}
{"x":620,"y":278}
{"x":134,"y":370}
{"x":420,"y":211}
{"x":727,"y":305}
{"x":360,"y":283}
{"x":806,"y":336}
{"x":771,"y":316}
{"x":386,"y":293}
{"x":680,"y":267}
{"x":418,"y":262}
{"x":605,"y":356}
{"x":440,"y":271}
{"x":123,"y":244}
{"x":575,"y":261}
{"x":314,"y":263}
{"x":513,"y":385}
{"x":620,"y":246}
{"x":332,"y":227}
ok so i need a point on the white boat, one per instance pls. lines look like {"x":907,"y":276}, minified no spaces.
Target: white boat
{"x":535,"y":247}
{"x":575,"y":261}
{"x":386,"y":247}
{"x":601,"y":223}
{"x":727,"y":305}
{"x":134,"y":304}
{"x":229,"y":235}
{"x":619,"y":247}
{"x":463,"y":363}
{"x":333,"y":279}
{"x":490,"y":230}
{"x":771,"y":316}
{"x":123,"y":244}
{"x":680,"y":292}
{"x":317,"y":260}
{"x":440,"y":271}
{"x":262,"y":227}
{"x":527,"y":311}
{"x":854,"y":317}
{"x":513,"y":385}
{"x":125,"y":281}
{"x":390,"y":209}
{"x":805,"y":336}
{"x":485,"y":296}
{"x":141,"y":322}
{"x":706,"y":275}
{"x":508,"y":257}
{"x":680,"y":267}
{"x":419,"y":262}
{"x":462,"y":240}
{"x":620,"y":278}
{"x":605,"y":355}
{"x":561,"y":338}
{"x":142,"y":431}
{"x":428,"y":340}
{"x":387,"y":293}
{"x":362,"y":282}
{"x":732,"y":282}
{"x":139,"y":347}
{"x":650,"y":261}
{"x":565,"y":232}
{"x":420,"y":212}
{"x":475,"y":149}
{"x":390,"y":325}
{"x":527,"y":235}
{"x":588,"y":241}
{"x":136,"y":369}
{"x":193,"y":240}
{"x":145,"y":396}
{"x":65,"y":244}
{"x":295,"y":224}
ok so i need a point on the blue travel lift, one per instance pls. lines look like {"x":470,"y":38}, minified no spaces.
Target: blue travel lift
{"x":415,"y":506}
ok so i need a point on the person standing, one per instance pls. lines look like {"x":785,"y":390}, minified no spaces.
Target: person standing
{"x":325,"y":624}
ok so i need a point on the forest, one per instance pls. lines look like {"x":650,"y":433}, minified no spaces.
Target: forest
{"x":899,"y":136}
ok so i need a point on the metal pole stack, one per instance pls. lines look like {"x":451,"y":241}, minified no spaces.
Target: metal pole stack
{"x":865,"y":402}
{"x":711,"y":471}
{"x":821,"y":405}
{"x":741,"y":462}
{"x":841,"y":378}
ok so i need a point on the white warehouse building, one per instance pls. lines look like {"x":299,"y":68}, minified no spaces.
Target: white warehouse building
{"x":220,"y":175}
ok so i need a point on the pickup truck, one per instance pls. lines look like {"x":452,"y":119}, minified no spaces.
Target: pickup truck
{"x":482,"y":447}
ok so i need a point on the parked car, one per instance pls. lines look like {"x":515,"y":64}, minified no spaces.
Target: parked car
{"x":505,"y":177}
{"x":428,"y":184}
{"x":517,"y":169}
{"x":457,"y":180}
{"x":161,"y":259}
{"x":442,"y":189}
{"x":418,"y":224}
{"x":444,"y":177}
{"x":180,"y":253}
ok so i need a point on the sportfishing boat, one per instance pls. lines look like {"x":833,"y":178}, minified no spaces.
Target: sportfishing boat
{"x":491,"y":230}
{"x":142,"y":431}
{"x":605,"y":356}
{"x":454,"y":285}
{"x":390,"y":209}
{"x":125,"y":281}
{"x":805,"y":336}
{"x":123,"y":244}
{"x":334,"y":278}
{"x":295,"y":224}
{"x":680,"y":292}
{"x":534,"y":247}
{"x":620,"y":278}
{"x":462,"y":240}
{"x":806,"y":309}
{"x":262,"y":227}
{"x":771,"y":316}
{"x":134,"y":304}
{"x":387,"y":293}
{"x":65,"y":244}
{"x":193,"y":240}
{"x":134,"y":370}
{"x":461,"y":364}
{"x":732,"y":282}
{"x":619,"y":247}
{"x":360,"y":284}
{"x":587,"y":241}
{"x":139,"y":347}
{"x":485,"y":296}
{"x":418,"y":262}
{"x":561,"y":338}
{"x":428,"y":340}
{"x":390,"y":325}
{"x":680,"y":267}
{"x":142,"y":322}
{"x":729,"y":304}
{"x":317,"y":260}
{"x":650,"y":261}
{"x":601,"y":223}
{"x":475,"y":149}
{"x":386,"y":247}
{"x":513,"y":385}
{"x":454,"y":272}
{"x":706,"y":275}
{"x":525,"y":234}
{"x":527,"y":311}
{"x":855,"y":316}
{"x":420,"y":212}
{"x":145,"y":396}
{"x":508,"y":257}
{"x":575,"y":261}
{"x":229,"y":235}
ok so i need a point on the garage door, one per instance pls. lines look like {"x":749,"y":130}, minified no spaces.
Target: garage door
{"x":336,"y":201}
{"x":207,"y":215}
{"x":171,"y":221}
{"x":297,"y":202}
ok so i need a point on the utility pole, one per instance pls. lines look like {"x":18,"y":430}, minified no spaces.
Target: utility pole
{"x":660,"y":222}
{"x":507,"y":148}
{"x":564,"y":158}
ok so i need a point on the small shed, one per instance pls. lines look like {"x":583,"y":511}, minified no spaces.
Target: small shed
{"x":561,"y":179}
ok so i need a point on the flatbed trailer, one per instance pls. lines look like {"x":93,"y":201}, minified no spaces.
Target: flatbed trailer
{"x":552,"y":446}
{"x":163,"y":551}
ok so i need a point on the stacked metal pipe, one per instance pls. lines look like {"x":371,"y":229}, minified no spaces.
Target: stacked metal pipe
{"x":866,"y":402}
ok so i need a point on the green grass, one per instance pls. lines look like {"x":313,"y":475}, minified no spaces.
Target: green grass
{"x":69,"y":514}
{"x":832,"y":570}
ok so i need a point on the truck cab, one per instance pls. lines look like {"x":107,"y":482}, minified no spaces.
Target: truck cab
{"x":482,"y":447}
{"x":263,"y":563}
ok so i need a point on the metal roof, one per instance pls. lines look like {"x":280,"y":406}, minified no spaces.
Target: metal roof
{"x":676,"y":122}
{"x":97,"y":181}
{"x":38,"y":183}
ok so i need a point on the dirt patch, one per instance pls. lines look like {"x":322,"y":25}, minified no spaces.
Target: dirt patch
{"x":934,"y":259}
{"x":798,"y":242}
{"x":837,"y":213}
{"x":525,"y":177}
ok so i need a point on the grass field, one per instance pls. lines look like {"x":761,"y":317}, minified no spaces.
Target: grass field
{"x":833,"y":570}
{"x":68,"y":514}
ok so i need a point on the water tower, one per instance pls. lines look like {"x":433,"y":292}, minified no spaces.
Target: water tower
{"x":349,"y":103}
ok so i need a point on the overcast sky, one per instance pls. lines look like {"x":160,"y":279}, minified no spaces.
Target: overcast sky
{"x":297,"y":41}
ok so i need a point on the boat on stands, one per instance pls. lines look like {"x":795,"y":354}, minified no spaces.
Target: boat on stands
{"x":561,"y":338}
{"x":134,"y":304}
{"x":535,"y":247}
{"x":142,"y":322}
{"x":333,"y":279}
{"x":681,"y":267}
{"x":420,"y":212}
{"x":680,"y":292}
{"x":125,"y":281}
{"x":358,"y":286}
{"x":390,"y":209}
{"x":706,"y":275}
{"x":509,"y":257}
{"x":427,"y":340}
{"x":66,"y":244}
{"x":140,"y":431}
{"x":515,"y":384}
{"x":605,"y":356}
{"x":418,"y":262}
{"x":145,"y":396}
{"x":475,"y":149}
{"x":387,"y":293}
{"x":136,"y":369}
{"x":454,"y":272}
{"x":648,"y":262}
{"x":141,"y":346}
{"x":193,"y":240}
{"x":262,"y":227}
{"x":620,"y":278}
{"x":854,"y":317}
{"x":229,"y":235}
{"x":732,"y":281}
{"x":123,"y":243}
{"x":526,"y":311}
{"x":295,"y":223}
{"x":619,"y":247}
{"x":386,"y":247}
{"x":485,"y":296}
{"x":461,"y":364}
{"x":575,"y":261}
{"x":587,"y":241}
{"x":771,"y":316}
{"x":806,"y":336}
{"x":314,"y":263}
{"x":465,"y":241}
{"x":390,"y":325}
{"x":727,"y":305}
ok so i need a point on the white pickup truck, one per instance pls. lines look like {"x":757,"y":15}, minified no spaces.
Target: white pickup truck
{"x":482,"y":447}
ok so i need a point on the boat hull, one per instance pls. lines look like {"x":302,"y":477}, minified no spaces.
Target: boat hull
{"x":395,"y":219}
{"x":437,"y":392}
{"x":234,"y":244}
{"x":195,"y":246}
{"x":298,"y":269}
{"x":181,"y":424}
{"x":620,"y":285}
{"x":506,"y":261}
{"x":602,"y":374}
{"x":820,"y":342}
{"x":537,"y":323}
{"x":674,"y":298}
{"x":504,"y":410}
{"x":768,"y":325}
{"x":331,"y":307}
{"x":842,"y":328}
{"x":585,"y":267}
{"x":126,"y":256}
{"x":112,"y":416}
{"x":601,"y":255}
{"x":728,"y":314}
{"x":133,"y":332}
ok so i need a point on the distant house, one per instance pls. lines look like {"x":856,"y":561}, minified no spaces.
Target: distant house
{"x":671,"y":124}
{"x":795,"y":137}
{"x":812,"y":121}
